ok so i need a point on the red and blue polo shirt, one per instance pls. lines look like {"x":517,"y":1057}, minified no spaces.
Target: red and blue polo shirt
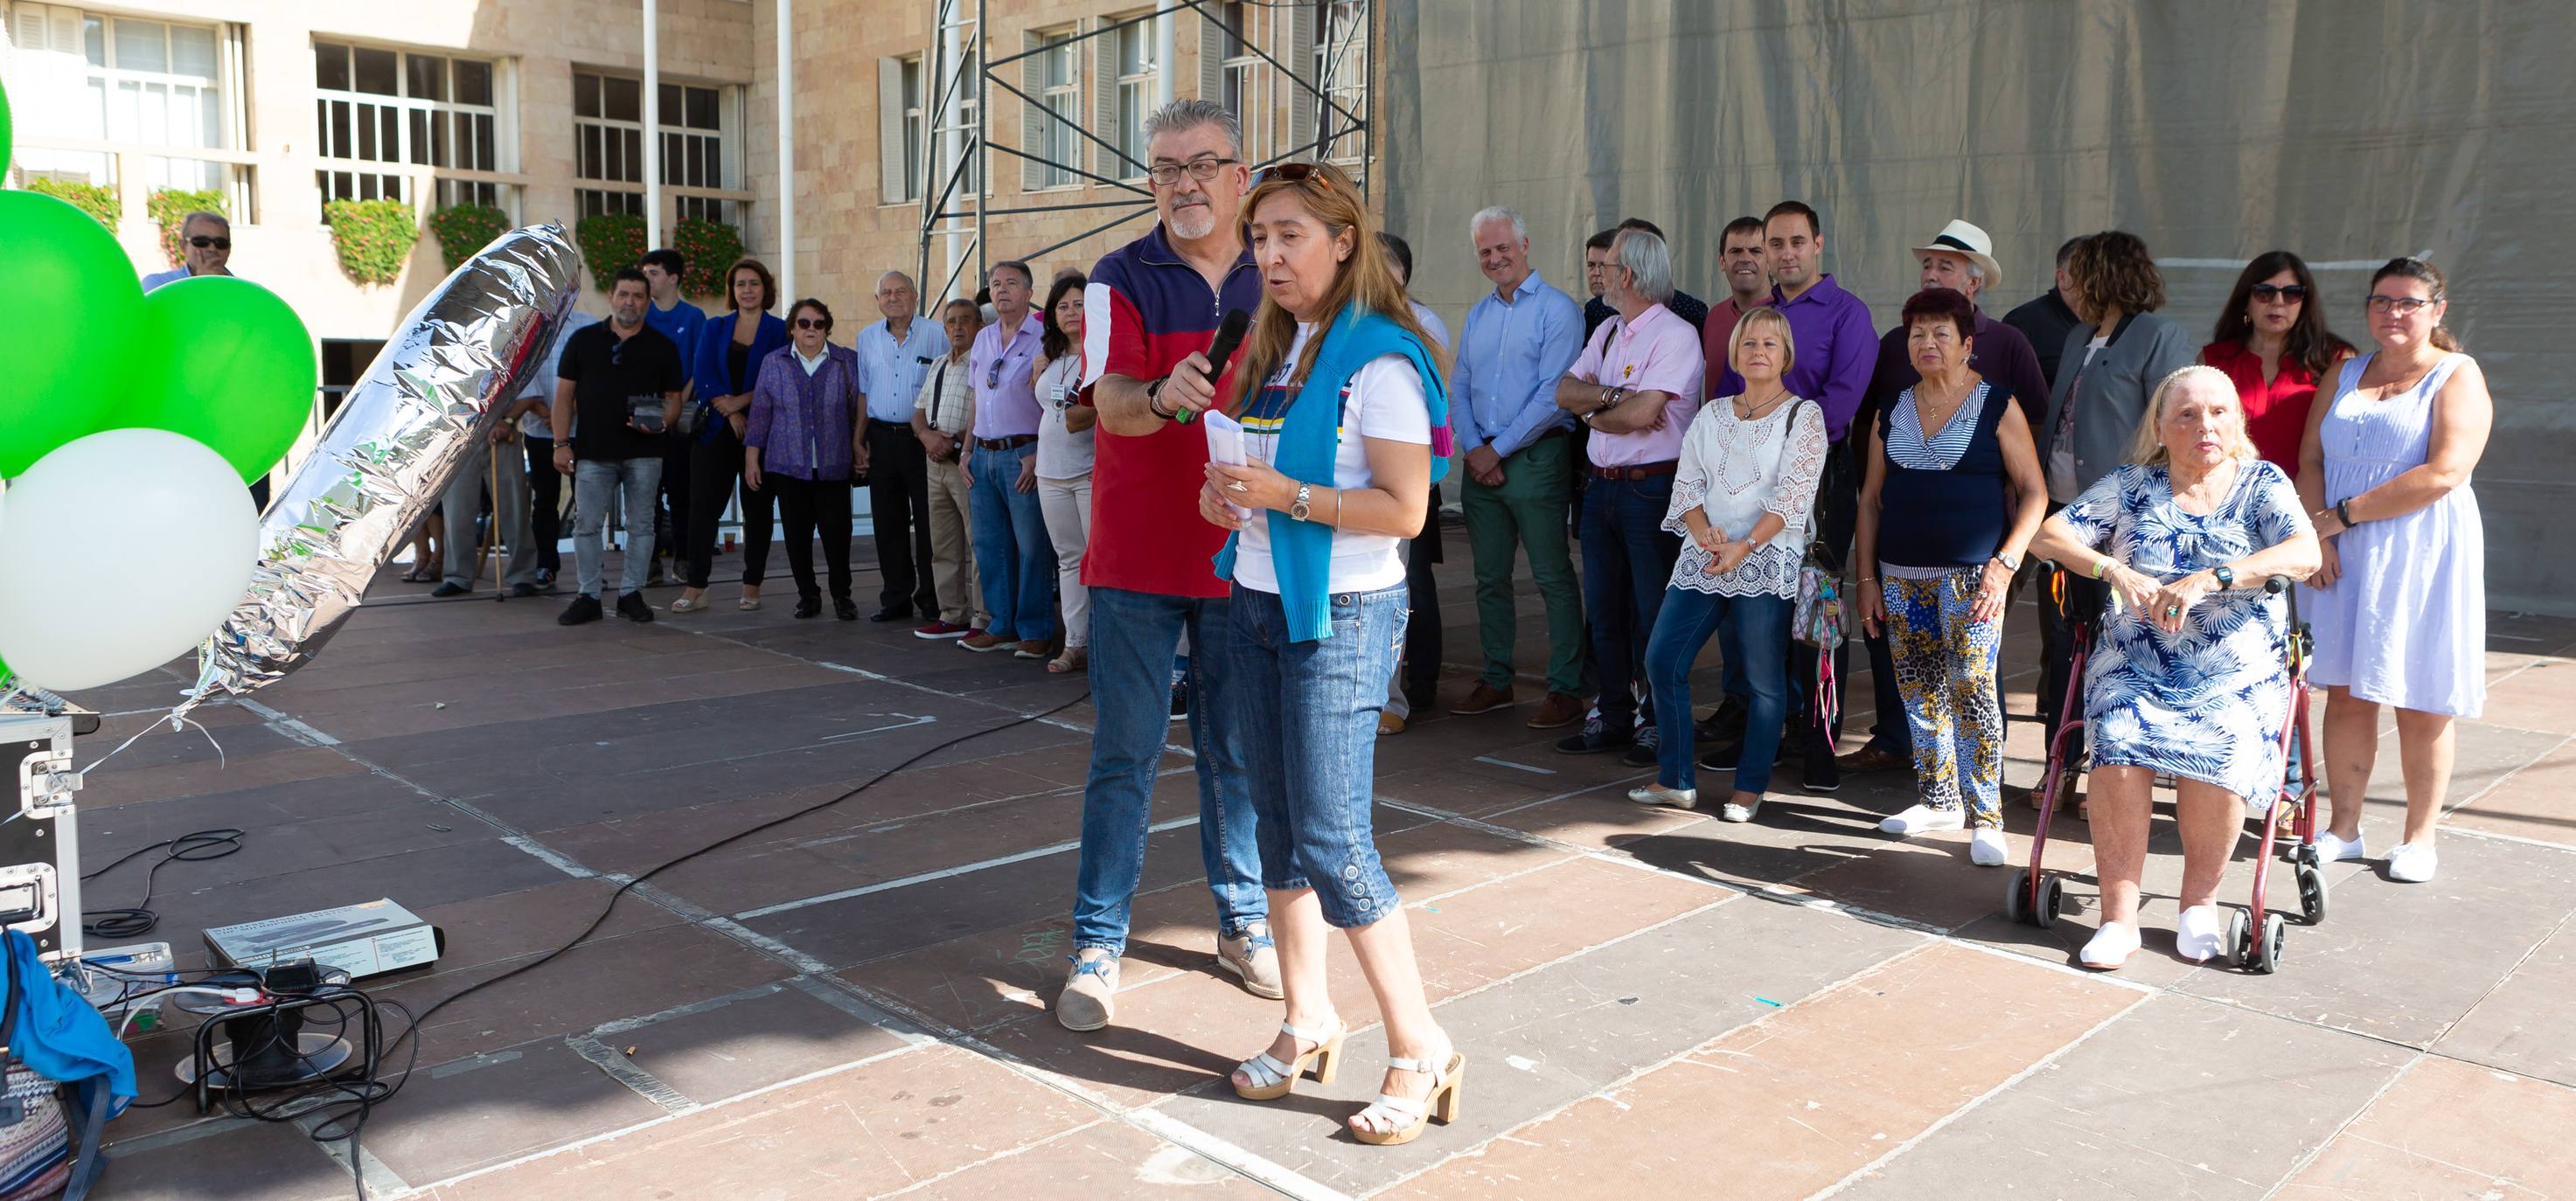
{"x":1145,"y":310}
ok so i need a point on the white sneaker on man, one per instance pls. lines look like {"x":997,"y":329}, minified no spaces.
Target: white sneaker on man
{"x":2412,"y":863}
{"x":1090,"y":997}
{"x":1987,"y":848}
{"x":1924,"y":819}
{"x":1254,"y":957}
{"x":2331,"y":849}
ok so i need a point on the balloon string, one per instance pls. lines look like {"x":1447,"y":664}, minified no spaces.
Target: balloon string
{"x":177,"y":718}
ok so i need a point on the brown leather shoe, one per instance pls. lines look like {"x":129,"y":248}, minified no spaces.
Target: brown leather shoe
{"x":1872,"y":758}
{"x":1557,"y":710}
{"x":1485,"y":698}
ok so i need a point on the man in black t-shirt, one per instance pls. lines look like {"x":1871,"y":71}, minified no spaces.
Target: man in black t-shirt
{"x":617,"y":388}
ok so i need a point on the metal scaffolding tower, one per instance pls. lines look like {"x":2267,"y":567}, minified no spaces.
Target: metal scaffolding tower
{"x":958,"y":217}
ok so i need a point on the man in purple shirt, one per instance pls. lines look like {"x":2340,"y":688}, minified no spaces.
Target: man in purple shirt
{"x":1836,"y":349}
{"x":1960,"y":258}
{"x":1014,"y":558}
{"x":1636,"y":386}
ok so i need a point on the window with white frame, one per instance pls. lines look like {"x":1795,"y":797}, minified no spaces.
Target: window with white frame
{"x":913,"y":104}
{"x":1341,"y":75}
{"x":1136,"y":70}
{"x":1056,"y":76}
{"x":698,"y":142}
{"x":381,"y":111}
{"x":88,"y":77}
{"x":1229,"y":35}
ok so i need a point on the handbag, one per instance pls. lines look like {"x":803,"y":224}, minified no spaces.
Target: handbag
{"x":1816,"y":614}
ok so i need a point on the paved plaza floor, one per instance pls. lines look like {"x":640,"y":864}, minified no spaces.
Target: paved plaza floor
{"x":854,"y":1004}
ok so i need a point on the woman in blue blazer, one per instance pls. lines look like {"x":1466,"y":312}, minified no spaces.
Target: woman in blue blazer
{"x":724,"y":366}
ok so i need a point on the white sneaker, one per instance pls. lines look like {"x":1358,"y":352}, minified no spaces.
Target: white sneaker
{"x":2200,"y":933}
{"x":1657,"y":794}
{"x":1924,"y":819}
{"x":2110,"y":948}
{"x":1987,"y":848}
{"x":2331,"y":849}
{"x":2412,"y":863}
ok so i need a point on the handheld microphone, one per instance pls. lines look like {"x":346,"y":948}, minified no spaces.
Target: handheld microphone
{"x":1229,"y":335}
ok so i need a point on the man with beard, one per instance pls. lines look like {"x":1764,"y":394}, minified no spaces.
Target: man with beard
{"x":1149,"y":314}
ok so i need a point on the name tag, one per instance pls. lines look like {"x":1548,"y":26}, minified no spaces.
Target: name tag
{"x":1061,"y":390}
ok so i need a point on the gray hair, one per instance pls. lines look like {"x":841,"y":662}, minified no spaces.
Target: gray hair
{"x":1487,"y":216}
{"x":1649,"y":264}
{"x":907,"y":280}
{"x":1182,"y":115}
{"x":203,"y":215}
{"x":1976,"y":272}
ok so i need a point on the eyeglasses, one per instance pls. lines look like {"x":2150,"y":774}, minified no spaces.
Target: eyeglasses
{"x":2403,"y":306}
{"x":1165,"y":175}
{"x":1298,"y":173}
{"x":2280,"y":291}
{"x":814,"y":323}
{"x":201,"y":242}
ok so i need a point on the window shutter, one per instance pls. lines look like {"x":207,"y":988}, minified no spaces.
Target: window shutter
{"x":890,"y":164}
{"x":1033,"y":82}
{"x":1104,"y":100}
{"x":1211,"y":55}
{"x":1302,"y":103}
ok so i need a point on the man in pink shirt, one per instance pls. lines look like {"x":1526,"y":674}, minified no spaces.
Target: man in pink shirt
{"x":1638,"y":383}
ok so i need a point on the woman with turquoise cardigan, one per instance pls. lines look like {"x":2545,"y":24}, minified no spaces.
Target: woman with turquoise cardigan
{"x":725,"y":365}
{"x":1345,"y":427}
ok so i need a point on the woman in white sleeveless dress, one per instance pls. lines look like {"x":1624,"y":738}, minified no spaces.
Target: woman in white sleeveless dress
{"x":2399,"y":607}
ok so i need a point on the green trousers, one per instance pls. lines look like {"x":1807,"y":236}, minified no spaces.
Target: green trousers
{"x":1527,"y":512}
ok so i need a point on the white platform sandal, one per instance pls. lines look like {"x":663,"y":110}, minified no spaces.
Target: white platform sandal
{"x":1441,"y":1102}
{"x":1272,"y":1079}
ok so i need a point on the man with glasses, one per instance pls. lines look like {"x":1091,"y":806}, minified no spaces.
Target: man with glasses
{"x":617,"y":389}
{"x":1014,"y":557}
{"x":895,"y":356}
{"x":205,"y":248}
{"x":1151,"y":310}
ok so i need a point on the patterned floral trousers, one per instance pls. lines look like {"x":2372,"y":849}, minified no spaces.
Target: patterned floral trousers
{"x":1945,"y":671}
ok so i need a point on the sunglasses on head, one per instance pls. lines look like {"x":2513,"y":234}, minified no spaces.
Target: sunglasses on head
{"x":1298,"y":173}
{"x":2280,"y":292}
{"x":201,"y":242}
{"x":813,"y":323}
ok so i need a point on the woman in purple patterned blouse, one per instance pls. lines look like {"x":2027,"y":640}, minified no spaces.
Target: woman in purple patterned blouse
{"x":802,"y":437}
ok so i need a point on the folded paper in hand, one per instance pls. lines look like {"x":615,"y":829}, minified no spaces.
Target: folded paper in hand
{"x":1225,"y":445}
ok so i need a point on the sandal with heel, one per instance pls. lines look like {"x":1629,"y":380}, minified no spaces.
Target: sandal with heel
{"x":1272,"y":1079}
{"x":1441,"y":1103}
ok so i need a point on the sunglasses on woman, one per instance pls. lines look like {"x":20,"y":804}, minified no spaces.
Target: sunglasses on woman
{"x":2280,"y":292}
{"x":811,"y":323}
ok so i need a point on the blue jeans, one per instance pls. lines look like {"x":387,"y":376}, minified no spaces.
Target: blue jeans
{"x":592,"y":481}
{"x":1133,"y":635}
{"x":1759,"y":626}
{"x":1315,"y":705}
{"x":1627,"y":560}
{"x":1014,"y":558}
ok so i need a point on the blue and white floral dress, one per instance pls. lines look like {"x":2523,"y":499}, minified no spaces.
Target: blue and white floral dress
{"x":2206,"y":703}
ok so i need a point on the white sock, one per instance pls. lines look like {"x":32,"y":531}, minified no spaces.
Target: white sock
{"x":1987,"y":848}
{"x":1923,"y":819}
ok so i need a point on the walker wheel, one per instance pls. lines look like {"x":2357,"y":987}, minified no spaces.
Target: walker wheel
{"x":2240,"y":936}
{"x":2267,"y":951}
{"x":2312,"y":894}
{"x":2017,"y":898}
{"x":2052,"y":900}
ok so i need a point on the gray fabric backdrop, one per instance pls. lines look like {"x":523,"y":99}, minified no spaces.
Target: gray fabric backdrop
{"x":2344,"y":130}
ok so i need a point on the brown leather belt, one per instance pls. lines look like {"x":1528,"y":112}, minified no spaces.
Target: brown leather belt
{"x":1636,"y":471}
{"x":1014,"y":442}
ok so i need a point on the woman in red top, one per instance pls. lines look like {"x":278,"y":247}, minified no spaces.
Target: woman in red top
{"x":2276,"y":347}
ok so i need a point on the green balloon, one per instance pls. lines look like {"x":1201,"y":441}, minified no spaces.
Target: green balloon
{"x":68,"y":308}
{"x":224,"y":362}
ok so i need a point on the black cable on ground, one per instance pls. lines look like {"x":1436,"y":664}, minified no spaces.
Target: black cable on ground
{"x":139,"y":920}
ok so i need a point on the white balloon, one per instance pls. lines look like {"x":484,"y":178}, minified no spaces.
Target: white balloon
{"x":120,"y":552}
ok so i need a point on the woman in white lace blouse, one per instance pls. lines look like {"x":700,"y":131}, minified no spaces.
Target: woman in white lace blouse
{"x":1741,"y":496}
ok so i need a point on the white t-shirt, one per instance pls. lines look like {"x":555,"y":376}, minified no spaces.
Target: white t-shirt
{"x":1062,"y":454}
{"x":2061,"y":454}
{"x":1384,"y":400}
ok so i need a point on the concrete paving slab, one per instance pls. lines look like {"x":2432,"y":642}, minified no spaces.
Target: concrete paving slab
{"x":2522,"y":1026}
{"x":2449,"y":1130}
{"x":2177,"y":1098}
{"x":222,"y":1160}
{"x":497,"y":1106}
{"x":724,"y":1047}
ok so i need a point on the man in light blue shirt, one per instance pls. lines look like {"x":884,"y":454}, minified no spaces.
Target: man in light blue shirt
{"x":1517,"y":343}
{"x":895,"y":354}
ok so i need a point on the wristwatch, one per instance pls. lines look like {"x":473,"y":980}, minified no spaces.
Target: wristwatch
{"x":2226,"y":576}
{"x":2010,"y":562}
{"x":1297,"y":508}
{"x":1154,"y":398}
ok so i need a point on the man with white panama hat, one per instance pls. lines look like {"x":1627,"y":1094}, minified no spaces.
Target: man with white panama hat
{"x":1960,"y":258}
